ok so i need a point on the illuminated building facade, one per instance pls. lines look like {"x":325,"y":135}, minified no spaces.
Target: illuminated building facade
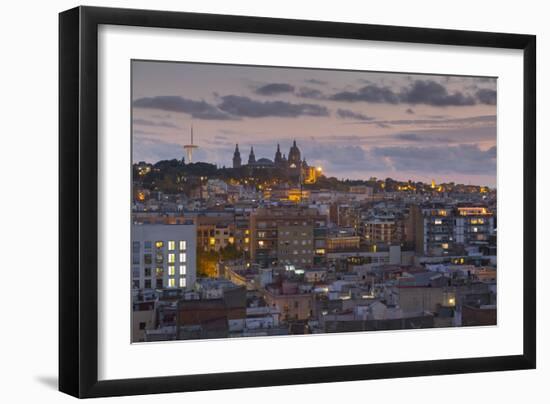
{"x":163,"y":256}
{"x":294,"y":166}
{"x":287,"y":235}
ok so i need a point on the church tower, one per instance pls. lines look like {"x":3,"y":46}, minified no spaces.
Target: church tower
{"x":236,"y":157}
{"x":294,"y":156}
{"x":278,"y":160}
{"x":251,"y":156}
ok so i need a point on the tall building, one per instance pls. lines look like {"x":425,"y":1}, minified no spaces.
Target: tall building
{"x":474,"y":225}
{"x":295,"y":167}
{"x":440,"y":230}
{"x":288,"y":235}
{"x":294,"y":160}
{"x":236,"y":157}
{"x":251,"y":156}
{"x":278,"y":160}
{"x":164,"y":256}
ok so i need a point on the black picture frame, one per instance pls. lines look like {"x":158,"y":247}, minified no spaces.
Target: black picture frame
{"x":78,"y":196}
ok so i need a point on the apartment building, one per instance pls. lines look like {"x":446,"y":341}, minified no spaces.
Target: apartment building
{"x":163,"y":256}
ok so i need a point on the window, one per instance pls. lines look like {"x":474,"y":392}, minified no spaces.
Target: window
{"x":142,"y":325}
{"x":147,"y":271}
{"x":171,"y":258}
{"x":183,"y":257}
{"x":261,"y":234}
{"x":171,"y":283}
{"x":159,"y":271}
{"x":135,"y":259}
{"x":171,"y":270}
{"x":171,"y":245}
{"x":135,"y":284}
{"x":437,"y":221}
{"x":147,"y":259}
{"x":159,"y":283}
{"x":182,"y":282}
{"x":159,"y":258}
{"x":135,"y":247}
{"x":147,"y":245}
{"x":183,"y":269}
{"x":261,"y":243}
{"x":183,"y":245}
{"x":159,"y":244}
{"x":147,"y":283}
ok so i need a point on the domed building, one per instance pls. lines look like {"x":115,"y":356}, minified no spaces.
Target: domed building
{"x":293,"y":165}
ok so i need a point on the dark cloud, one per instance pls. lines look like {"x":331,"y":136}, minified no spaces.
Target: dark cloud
{"x":308,"y":92}
{"x":409,"y":111}
{"x":197,"y":109}
{"x":370,"y":93}
{"x":410,"y":137}
{"x":459,"y":159}
{"x":432,"y":93}
{"x":347,"y":114}
{"x":315,"y":81}
{"x":428,"y":92}
{"x":246,"y":107}
{"x":487,"y":96}
{"x":421,"y":158}
{"x":274,"y":89}
{"x":161,"y":124}
{"x":424,"y":137}
{"x":440,"y":121}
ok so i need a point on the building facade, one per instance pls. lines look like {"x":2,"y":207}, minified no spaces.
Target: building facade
{"x":163,"y":256}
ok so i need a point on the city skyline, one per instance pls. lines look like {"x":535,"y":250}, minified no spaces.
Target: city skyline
{"x":353,"y":124}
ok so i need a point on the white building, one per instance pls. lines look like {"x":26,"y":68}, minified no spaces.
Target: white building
{"x":164,"y":256}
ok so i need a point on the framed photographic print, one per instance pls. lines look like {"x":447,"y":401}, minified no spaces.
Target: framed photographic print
{"x":251,"y":201}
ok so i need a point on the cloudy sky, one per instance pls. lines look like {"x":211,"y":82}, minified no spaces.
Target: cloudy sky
{"x":353,"y":124}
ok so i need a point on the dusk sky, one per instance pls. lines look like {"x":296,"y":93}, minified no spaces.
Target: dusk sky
{"x":353,"y":124}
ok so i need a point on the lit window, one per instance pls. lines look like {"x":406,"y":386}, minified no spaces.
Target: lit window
{"x":261,"y":243}
{"x":445,"y":246}
{"x":437,"y":221}
{"x":159,"y":271}
{"x":183,"y":269}
{"x":246,"y":240}
{"x":171,"y":245}
{"x":183,"y":257}
{"x":159,"y":244}
{"x":171,"y":258}
{"x":183,"y":245}
{"x":171,"y":270}
{"x":171,"y":283}
{"x":474,"y":229}
{"x":182,"y":282}
{"x":212,"y":241}
{"x":159,"y":258}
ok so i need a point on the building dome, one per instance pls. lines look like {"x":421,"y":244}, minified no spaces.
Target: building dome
{"x":294,"y":155}
{"x":262,"y":163}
